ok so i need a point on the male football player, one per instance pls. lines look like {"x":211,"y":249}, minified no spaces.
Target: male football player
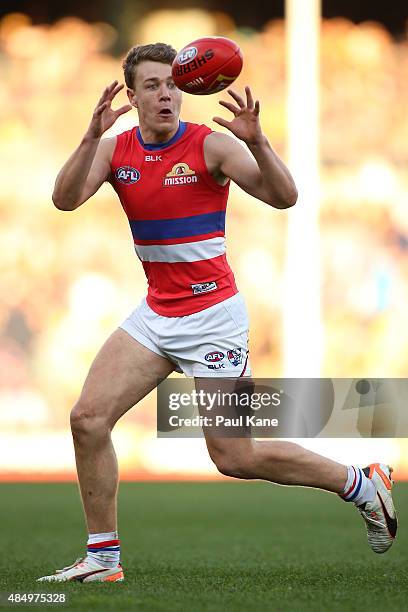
{"x":172,"y":179}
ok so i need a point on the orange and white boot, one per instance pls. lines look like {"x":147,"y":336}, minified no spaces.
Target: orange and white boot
{"x":379,"y":515}
{"x":86,"y":570}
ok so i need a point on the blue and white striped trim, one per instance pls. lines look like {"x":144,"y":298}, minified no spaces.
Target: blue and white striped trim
{"x":354,"y":489}
{"x":105,"y":548}
{"x":184,"y":252}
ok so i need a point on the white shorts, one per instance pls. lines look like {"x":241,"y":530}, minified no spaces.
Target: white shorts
{"x":212,"y":342}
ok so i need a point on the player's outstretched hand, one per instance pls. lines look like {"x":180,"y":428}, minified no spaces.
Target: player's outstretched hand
{"x":245,"y":124}
{"x":104,"y":117}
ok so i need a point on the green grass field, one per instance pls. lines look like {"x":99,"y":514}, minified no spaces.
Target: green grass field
{"x":227,"y":546}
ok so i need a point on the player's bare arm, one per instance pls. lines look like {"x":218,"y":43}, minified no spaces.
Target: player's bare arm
{"x":264,"y":175}
{"x":89,"y":165}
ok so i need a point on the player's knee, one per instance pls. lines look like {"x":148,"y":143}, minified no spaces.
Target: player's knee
{"x":86,"y":420}
{"x":236,"y":466}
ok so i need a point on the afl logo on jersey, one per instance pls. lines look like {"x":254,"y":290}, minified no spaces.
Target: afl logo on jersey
{"x":127,"y":175}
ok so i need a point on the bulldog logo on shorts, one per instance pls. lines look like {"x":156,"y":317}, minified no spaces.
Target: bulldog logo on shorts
{"x":235,"y":356}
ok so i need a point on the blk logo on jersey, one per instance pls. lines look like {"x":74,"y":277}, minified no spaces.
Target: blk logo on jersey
{"x":127,"y":175}
{"x":153,"y":158}
{"x":180,"y":174}
{"x":235,"y":356}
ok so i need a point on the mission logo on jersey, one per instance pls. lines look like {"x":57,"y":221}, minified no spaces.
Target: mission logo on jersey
{"x":180,"y":174}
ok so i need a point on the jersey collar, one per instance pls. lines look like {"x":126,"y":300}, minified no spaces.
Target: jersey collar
{"x":157,"y":147}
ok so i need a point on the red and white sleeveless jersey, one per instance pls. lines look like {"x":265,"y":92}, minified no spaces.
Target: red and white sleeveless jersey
{"x":176,"y":212}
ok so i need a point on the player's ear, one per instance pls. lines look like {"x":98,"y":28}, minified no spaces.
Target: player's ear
{"x":132,"y":97}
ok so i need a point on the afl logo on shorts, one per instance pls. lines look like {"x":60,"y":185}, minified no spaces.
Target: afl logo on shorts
{"x":214,"y":356}
{"x":127,"y":175}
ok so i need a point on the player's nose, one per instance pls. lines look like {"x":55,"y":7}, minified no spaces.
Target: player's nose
{"x":164,"y":93}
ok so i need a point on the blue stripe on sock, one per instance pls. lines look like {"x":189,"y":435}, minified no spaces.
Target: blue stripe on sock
{"x":110,"y":549}
{"x":358,"y":487}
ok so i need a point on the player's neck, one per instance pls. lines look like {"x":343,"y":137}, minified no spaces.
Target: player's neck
{"x":150,"y":136}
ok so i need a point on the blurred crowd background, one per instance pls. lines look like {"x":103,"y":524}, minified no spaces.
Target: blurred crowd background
{"x":68,"y":279}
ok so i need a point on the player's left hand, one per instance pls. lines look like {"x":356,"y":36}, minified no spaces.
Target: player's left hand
{"x":245,"y":124}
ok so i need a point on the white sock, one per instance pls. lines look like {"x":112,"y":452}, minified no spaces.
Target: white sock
{"x":358,"y":489}
{"x":104,"y":548}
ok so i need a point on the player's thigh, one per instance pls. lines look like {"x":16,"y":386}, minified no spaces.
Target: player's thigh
{"x":122,"y":373}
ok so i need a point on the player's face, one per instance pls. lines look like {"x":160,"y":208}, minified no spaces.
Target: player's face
{"x":156,"y":98}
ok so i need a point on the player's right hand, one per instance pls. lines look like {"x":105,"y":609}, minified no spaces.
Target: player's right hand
{"x":104,"y":117}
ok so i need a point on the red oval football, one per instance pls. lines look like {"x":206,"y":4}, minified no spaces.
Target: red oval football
{"x":207,"y":65}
